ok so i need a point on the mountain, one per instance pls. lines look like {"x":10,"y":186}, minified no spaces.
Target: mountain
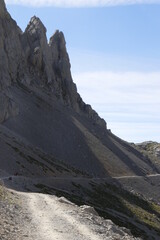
{"x":40,"y":106}
{"x":51,"y":142}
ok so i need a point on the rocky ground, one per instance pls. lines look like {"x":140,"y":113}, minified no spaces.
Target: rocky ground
{"x":43,"y":208}
{"x":44,"y":217}
{"x":12,"y":217}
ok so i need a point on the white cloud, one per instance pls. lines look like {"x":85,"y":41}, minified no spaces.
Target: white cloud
{"x":136,"y":132}
{"x":119,"y":87}
{"x":79,"y":3}
{"x":128,"y":101}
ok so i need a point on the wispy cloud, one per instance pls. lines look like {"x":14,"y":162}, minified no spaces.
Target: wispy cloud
{"x":79,"y":3}
{"x":128,"y":101}
{"x":119,"y":87}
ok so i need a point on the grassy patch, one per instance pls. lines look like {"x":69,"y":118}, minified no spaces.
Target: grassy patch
{"x":143,"y":216}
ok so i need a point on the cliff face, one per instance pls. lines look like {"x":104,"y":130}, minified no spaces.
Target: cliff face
{"x":40,"y":105}
{"x":28,"y":58}
{"x":10,"y":56}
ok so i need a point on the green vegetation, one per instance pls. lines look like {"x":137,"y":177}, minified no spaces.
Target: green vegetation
{"x":113,"y":198}
{"x":144,"y":216}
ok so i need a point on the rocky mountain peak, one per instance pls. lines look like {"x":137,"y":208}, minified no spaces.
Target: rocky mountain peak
{"x":57,"y":44}
{"x":59,"y":39}
{"x":36,"y":26}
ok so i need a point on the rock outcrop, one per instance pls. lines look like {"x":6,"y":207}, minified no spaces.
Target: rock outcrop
{"x":152,"y":150}
{"x":150,"y":147}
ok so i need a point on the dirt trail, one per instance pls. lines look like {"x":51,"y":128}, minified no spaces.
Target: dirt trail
{"x":53,"y":218}
{"x":136,"y":176}
{"x":77,"y":178}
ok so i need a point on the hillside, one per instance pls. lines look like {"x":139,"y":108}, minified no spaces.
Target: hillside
{"x":40,"y":106}
{"x":52,"y":143}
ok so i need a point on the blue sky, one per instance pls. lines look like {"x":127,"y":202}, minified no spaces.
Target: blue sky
{"x":115,"y":57}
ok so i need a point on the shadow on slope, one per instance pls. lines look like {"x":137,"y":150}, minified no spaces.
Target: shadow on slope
{"x":50,"y":128}
{"x":72,"y":137}
{"x":112,"y":202}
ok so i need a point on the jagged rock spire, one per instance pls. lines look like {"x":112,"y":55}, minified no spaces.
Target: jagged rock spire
{"x":35,"y":25}
{"x":57,"y":44}
{"x":38,"y":52}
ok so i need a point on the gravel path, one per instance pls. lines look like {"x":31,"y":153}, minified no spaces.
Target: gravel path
{"x":35,"y":216}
